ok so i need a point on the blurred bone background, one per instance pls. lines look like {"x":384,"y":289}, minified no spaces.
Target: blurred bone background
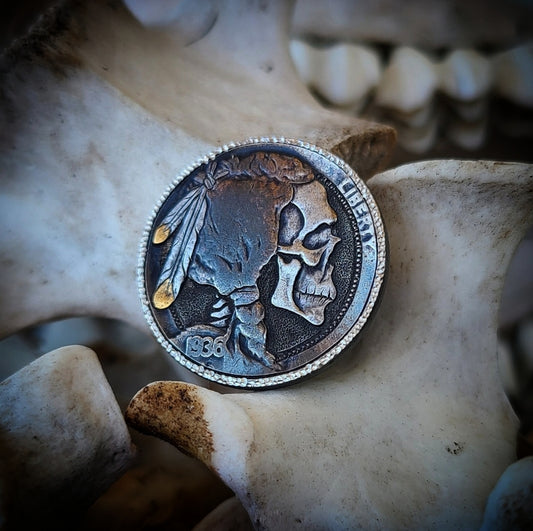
{"x":456,"y":81}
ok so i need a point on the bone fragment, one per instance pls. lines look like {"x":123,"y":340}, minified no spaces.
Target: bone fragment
{"x":401,"y":429}
{"x":510,"y":504}
{"x":63,"y":439}
{"x":176,"y":412}
{"x":228,"y":515}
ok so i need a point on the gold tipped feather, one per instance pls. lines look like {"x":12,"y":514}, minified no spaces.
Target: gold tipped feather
{"x":161,"y":234}
{"x":163,"y":296}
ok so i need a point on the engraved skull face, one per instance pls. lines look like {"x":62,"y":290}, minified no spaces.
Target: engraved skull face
{"x":305,"y":244}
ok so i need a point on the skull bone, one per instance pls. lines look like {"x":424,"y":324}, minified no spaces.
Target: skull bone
{"x":305,"y":244}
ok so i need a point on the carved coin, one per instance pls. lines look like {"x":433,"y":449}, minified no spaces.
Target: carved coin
{"x":262,"y":263}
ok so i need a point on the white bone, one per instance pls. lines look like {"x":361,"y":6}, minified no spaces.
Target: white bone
{"x":400,"y":431}
{"x":93,"y":140}
{"x":416,"y":119}
{"x":63,"y":438}
{"x":509,"y":505}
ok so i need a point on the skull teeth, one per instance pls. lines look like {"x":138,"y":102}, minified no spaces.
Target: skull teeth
{"x":310,"y":299}
{"x":407,"y":86}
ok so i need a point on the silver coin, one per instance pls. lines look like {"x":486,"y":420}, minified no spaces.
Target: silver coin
{"x":262,"y":263}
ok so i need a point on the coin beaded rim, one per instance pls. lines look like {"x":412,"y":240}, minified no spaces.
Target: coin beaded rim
{"x":268,"y":381}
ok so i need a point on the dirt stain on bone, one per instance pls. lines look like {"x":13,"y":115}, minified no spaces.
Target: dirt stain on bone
{"x":52,"y":40}
{"x":172,"y":411}
{"x":455,"y":448}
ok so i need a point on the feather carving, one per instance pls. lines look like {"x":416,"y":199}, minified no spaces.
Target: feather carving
{"x":174,"y":217}
{"x":188,"y":218}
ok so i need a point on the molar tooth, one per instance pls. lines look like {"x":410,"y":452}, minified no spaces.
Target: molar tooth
{"x":408,"y":82}
{"x":467,"y":135}
{"x":415,"y":119}
{"x":465,"y":75}
{"x":472,"y":111}
{"x":513,"y":74}
{"x":346,"y":74}
{"x":420,"y":139}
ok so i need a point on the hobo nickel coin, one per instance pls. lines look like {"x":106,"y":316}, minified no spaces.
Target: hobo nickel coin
{"x":262,"y":263}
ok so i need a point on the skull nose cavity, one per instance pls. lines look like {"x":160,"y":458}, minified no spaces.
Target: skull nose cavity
{"x":310,"y":257}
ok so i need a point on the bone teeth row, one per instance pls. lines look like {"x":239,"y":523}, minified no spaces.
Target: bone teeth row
{"x":348,"y":75}
{"x":342,"y":74}
{"x":345,"y":73}
{"x":408,"y":82}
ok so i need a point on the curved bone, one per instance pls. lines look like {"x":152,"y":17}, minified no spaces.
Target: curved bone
{"x":101,"y":118}
{"x":63,"y":438}
{"x":228,"y":515}
{"x":510,"y":504}
{"x":399,"y":432}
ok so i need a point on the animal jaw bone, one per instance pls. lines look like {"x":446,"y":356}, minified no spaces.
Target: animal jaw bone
{"x":70,"y":123}
{"x":401,"y":429}
{"x":509,"y":504}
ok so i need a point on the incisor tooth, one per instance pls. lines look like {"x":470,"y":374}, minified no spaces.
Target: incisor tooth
{"x":408,"y":82}
{"x":513,"y":74}
{"x":465,"y":75}
{"x":347,"y":74}
{"x":342,"y":74}
{"x":304,"y":58}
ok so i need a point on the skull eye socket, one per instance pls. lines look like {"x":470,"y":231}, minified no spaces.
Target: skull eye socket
{"x":319,"y":238}
{"x":291,"y":223}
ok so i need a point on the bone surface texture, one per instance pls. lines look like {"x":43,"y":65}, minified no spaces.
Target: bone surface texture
{"x":397,"y":434}
{"x":101,"y":113}
{"x":63,"y":438}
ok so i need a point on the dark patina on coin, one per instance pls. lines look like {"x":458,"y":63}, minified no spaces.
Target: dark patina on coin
{"x":262,"y":263}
